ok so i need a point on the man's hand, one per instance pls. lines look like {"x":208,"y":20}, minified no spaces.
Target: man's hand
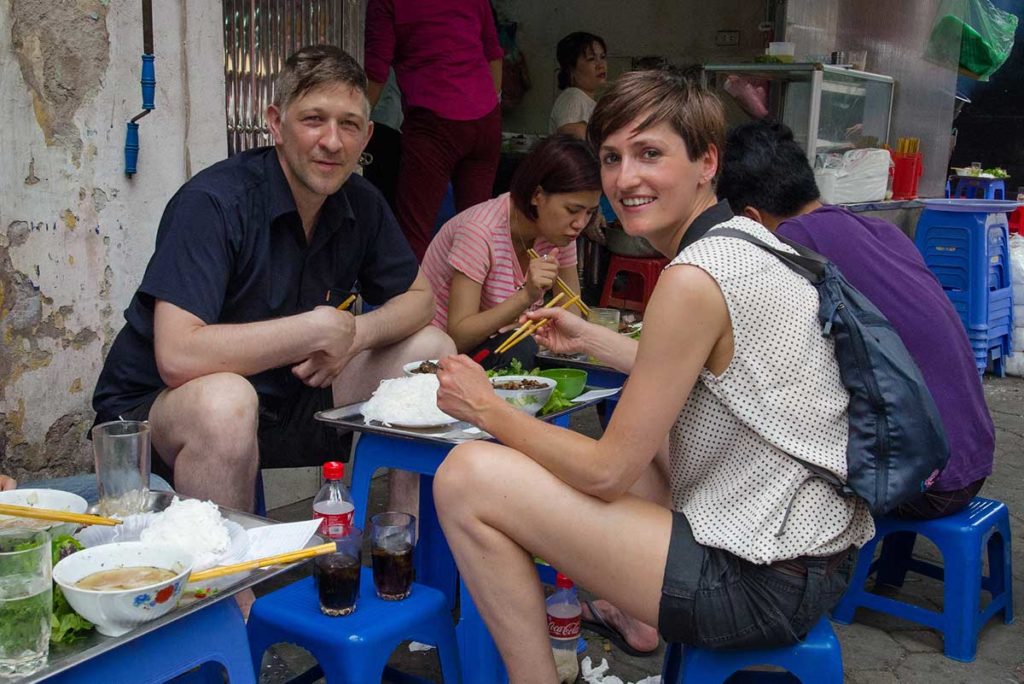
{"x":541,"y":274}
{"x":336,"y":334}
{"x":7,"y":483}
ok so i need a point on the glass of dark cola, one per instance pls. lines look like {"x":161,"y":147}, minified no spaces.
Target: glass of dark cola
{"x":337,"y":574}
{"x":392,"y":540}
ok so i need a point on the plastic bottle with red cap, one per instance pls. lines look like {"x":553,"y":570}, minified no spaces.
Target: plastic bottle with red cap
{"x":564,"y":612}
{"x":333,"y":504}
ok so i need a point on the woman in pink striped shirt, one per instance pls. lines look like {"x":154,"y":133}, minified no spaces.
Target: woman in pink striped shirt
{"x":478,"y":264}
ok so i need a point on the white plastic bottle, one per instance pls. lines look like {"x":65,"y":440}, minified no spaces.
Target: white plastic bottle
{"x":564,"y":612}
{"x":333,"y":504}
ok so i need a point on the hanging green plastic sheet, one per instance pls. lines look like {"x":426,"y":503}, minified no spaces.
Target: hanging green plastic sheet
{"x":973,"y":34}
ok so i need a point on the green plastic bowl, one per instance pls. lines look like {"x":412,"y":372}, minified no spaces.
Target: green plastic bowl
{"x":570,"y":381}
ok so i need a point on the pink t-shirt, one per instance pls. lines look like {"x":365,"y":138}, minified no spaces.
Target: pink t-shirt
{"x":478,"y":244}
{"x":440,"y":50}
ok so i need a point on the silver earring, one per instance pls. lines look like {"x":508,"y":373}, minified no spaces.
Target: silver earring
{"x":365,"y":159}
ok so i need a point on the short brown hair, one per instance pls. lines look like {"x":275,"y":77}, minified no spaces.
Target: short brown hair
{"x":313,"y":66}
{"x":663,"y":95}
{"x":556,"y":164}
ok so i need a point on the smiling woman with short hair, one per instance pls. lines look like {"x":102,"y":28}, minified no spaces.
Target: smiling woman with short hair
{"x":744,"y":548}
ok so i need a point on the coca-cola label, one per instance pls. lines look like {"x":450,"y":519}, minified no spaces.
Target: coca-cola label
{"x":337,"y":521}
{"x":564,"y":628}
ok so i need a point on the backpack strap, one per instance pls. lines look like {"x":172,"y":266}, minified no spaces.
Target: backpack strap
{"x":805,"y":262}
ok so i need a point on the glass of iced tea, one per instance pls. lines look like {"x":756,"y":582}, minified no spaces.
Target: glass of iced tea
{"x":392,"y":540}
{"x":337,"y":574}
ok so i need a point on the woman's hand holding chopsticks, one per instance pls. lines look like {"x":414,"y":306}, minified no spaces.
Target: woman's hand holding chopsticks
{"x":565,"y":333}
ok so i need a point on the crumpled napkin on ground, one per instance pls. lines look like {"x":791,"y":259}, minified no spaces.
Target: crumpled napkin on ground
{"x":596,"y":675}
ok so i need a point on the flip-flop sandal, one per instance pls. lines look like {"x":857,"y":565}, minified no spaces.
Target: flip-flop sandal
{"x":599,"y":625}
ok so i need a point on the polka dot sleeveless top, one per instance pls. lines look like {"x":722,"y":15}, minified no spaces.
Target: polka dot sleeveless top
{"x":781,"y":394}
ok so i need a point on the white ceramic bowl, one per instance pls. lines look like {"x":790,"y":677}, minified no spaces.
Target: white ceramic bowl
{"x":410,"y":368}
{"x":116,"y":612}
{"x":46,"y":498}
{"x":529,"y":400}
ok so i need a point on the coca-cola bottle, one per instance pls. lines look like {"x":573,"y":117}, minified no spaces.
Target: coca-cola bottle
{"x":333,"y":504}
{"x":564,"y":612}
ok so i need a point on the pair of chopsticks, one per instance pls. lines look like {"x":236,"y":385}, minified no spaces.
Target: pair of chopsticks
{"x":56,"y":516}
{"x":530,"y":327}
{"x":290,"y":557}
{"x":584,"y":309}
{"x":345,"y":304}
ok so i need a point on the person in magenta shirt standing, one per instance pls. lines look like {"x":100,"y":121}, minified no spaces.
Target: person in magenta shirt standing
{"x":447,"y":61}
{"x":767,"y":177}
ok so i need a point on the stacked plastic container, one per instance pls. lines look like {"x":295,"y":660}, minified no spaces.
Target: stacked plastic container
{"x":965,"y":243}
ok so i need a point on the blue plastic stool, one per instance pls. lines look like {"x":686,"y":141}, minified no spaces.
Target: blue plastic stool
{"x":208,"y":638}
{"x":969,"y":187}
{"x":354,"y":649}
{"x":818,"y":658}
{"x":960,"y":538}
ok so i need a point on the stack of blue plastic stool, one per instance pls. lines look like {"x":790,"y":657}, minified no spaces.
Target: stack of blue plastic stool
{"x":971,"y":187}
{"x":960,"y":538}
{"x":354,"y":649}
{"x":817,"y":658}
{"x":965,"y":244}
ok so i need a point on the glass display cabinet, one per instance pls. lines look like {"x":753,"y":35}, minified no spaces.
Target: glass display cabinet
{"x":829,"y":108}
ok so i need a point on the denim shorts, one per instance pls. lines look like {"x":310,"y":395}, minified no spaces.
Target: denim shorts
{"x":714,"y":599}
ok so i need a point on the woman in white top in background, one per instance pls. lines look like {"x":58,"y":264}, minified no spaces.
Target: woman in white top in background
{"x":582,"y":70}
{"x":748,"y":549}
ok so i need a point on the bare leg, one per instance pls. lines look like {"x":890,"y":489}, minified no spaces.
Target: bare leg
{"x":206,"y":430}
{"x":498,"y":508}
{"x":361,"y":377}
{"x":653,"y":486}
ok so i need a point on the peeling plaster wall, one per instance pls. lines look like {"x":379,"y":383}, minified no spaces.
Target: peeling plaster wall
{"x":75,"y":232}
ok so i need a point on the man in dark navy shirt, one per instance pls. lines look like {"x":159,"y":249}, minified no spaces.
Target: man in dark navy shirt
{"x":766,"y":177}
{"x":233,"y":339}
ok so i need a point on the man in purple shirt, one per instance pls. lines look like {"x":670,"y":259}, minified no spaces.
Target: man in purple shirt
{"x":447,"y":62}
{"x":766,"y":177}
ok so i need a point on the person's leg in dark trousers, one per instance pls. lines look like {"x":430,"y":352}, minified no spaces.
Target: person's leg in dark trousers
{"x":430,"y":151}
{"x":473,"y":179}
{"x":934,"y":504}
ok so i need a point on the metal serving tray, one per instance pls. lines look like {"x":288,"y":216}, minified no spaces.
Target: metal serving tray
{"x":65,"y":656}
{"x":351,"y":417}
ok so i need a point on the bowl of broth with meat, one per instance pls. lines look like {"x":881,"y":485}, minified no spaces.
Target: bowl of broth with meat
{"x":122,"y":585}
{"x":526,"y":392}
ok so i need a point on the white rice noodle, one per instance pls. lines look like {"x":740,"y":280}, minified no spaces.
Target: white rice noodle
{"x":406,"y":401}
{"x":193,"y":525}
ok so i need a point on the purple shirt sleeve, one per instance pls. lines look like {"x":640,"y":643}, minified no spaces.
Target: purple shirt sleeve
{"x":380,"y":39}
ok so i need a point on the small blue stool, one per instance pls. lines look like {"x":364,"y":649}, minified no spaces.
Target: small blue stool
{"x":971,"y":187}
{"x":960,"y":539}
{"x":210,"y":638}
{"x":818,"y":658}
{"x":354,"y":649}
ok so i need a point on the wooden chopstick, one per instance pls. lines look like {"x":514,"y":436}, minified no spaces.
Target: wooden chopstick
{"x":290,"y":557}
{"x":56,"y":516}
{"x":505,"y":345}
{"x":529,"y":328}
{"x":584,"y":309}
{"x":345,"y":304}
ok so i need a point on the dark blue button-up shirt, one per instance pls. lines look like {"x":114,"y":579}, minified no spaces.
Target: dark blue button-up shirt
{"x":230,"y":249}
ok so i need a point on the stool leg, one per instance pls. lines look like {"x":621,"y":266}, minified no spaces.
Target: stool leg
{"x":961,"y":598}
{"x":847,"y":606}
{"x":672,"y":667}
{"x":892,"y":563}
{"x":478,"y":653}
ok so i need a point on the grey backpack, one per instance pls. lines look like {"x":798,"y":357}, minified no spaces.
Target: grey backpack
{"x":896,"y":440}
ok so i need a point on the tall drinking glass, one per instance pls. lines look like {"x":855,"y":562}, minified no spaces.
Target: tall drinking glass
{"x":336,"y":575}
{"x":606,"y":318}
{"x":392,"y":540}
{"x":26,"y":600}
{"x":122,"y":451}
